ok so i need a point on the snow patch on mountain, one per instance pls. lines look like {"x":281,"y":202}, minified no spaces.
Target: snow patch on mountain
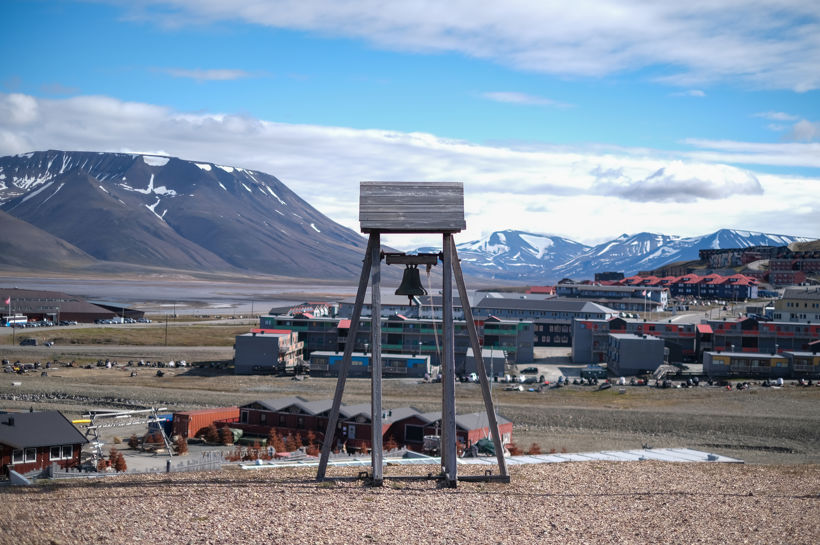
{"x":539,"y":243}
{"x":153,"y":209}
{"x":36,"y":192}
{"x":55,"y":192}
{"x":155,"y":160}
{"x":159,"y":190}
{"x":275,"y":196}
{"x":204,"y":166}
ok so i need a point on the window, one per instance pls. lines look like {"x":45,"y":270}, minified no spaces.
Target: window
{"x":413,"y":434}
{"x":31,"y":455}
{"x":64,"y":452}
{"x":263,"y":418}
{"x":17,"y":456}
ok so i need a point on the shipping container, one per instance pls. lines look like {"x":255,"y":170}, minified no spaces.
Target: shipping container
{"x":189,"y":424}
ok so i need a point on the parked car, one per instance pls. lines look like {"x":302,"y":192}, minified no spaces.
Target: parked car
{"x":28,"y":342}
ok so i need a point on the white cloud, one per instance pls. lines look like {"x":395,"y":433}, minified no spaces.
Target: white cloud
{"x":582,"y":193}
{"x":19,"y":109}
{"x":523,"y":98}
{"x":776,"y":116}
{"x":787,"y":154}
{"x":767,"y":43}
{"x":697,"y":93}
{"x":804,"y":130}
{"x":206,"y":75}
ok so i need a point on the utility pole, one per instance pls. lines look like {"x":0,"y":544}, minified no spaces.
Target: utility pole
{"x":166,"y":329}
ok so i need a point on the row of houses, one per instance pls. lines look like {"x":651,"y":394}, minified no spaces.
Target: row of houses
{"x":687,"y":342}
{"x":631,"y":346}
{"x":735,"y":287}
{"x":795,"y":364}
{"x":786,"y":267}
{"x":406,"y":426}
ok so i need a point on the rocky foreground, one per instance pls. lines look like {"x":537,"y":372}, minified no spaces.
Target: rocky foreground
{"x":586,"y":502}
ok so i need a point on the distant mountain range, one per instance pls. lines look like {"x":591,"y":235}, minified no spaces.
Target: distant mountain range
{"x":529,"y":257}
{"x":118,"y":212}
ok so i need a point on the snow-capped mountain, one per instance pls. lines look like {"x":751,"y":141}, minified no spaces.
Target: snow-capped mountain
{"x":166,"y":212}
{"x":646,"y":251}
{"x":514,"y":255}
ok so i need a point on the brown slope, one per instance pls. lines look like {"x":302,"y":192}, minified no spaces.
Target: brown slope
{"x":75,"y":208}
{"x":25,"y":246}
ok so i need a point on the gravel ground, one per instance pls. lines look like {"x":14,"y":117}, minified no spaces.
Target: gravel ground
{"x":634,"y":502}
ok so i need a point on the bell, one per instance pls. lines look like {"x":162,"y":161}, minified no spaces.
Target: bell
{"x":411,"y":283}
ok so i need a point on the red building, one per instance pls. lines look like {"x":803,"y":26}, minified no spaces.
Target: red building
{"x":33,"y":441}
{"x":405,"y":425}
{"x":189,"y":424}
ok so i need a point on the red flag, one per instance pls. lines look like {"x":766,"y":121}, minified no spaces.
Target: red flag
{"x":643,"y":293}
{"x":8,"y":301}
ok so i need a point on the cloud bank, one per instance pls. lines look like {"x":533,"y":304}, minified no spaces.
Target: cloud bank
{"x":582,"y":193}
{"x":764,"y":43}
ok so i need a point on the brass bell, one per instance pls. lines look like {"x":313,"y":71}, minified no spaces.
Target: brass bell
{"x":411,"y":283}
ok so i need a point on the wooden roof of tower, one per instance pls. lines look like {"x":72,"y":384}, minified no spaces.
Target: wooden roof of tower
{"x":411,"y":207}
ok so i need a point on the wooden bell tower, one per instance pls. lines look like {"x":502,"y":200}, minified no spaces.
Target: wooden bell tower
{"x":413,"y":207}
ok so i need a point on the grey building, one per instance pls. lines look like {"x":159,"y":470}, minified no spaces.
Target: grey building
{"x":684,"y":341}
{"x":629,"y":354}
{"x":618,"y":297}
{"x":494,"y":362}
{"x":745,"y":364}
{"x":552,"y":318}
{"x":392,"y":304}
{"x":327,"y":364}
{"x":267,"y":351}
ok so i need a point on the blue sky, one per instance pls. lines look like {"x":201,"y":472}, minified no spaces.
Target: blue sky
{"x":584,"y":120}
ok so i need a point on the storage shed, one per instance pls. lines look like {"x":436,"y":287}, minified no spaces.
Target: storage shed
{"x":189,"y":424}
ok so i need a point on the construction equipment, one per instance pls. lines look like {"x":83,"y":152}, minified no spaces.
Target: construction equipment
{"x":93,"y":421}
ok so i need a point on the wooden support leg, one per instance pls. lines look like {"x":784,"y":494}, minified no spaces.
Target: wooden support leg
{"x":376,"y":453}
{"x":344,"y":368}
{"x":477,"y":354}
{"x":448,"y":405}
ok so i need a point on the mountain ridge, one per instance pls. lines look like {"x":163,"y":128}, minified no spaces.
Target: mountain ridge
{"x":88,"y":209}
{"x":499,"y":255}
{"x":170,"y":212}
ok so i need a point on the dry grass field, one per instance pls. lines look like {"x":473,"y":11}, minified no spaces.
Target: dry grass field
{"x":759,"y":425}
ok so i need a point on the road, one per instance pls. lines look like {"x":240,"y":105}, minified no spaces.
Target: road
{"x":121,"y":352}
